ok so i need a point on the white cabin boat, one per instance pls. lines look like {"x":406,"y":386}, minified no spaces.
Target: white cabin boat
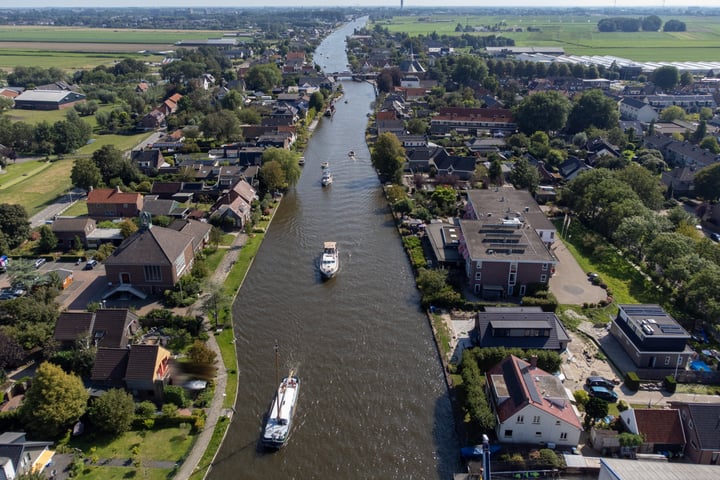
{"x":280,"y":417}
{"x":330,"y":260}
{"x":327,"y":178}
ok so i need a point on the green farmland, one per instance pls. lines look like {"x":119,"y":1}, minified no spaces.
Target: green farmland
{"x":578,"y":35}
{"x":101,"y":35}
{"x":65,"y":60}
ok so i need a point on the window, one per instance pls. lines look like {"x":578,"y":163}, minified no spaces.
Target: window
{"x":536,"y":419}
{"x":508,"y":433}
{"x":180,"y":263}
{"x":478,"y":276}
{"x":552,"y":234}
{"x":667,"y":360}
{"x":520,"y":419}
{"x":538,"y":434}
{"x":563,"y":435}
{"x":522,"y":290}
{"x":152,"y":273}
{"x":544,"y":267}
{"x":512,"y":279}
{"x":478,"y":265}
{"x":690,"y":424}
{"x":557,"y":422}
{"x":543,"y":278}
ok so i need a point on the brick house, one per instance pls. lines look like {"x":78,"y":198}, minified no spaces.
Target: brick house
{"x":104,"y":203}
{"x":505,"y":242}
{"x":150,"y":261}
{"x":69,"y":229}
{"x":700,"y":422}
{"x":144,"y":370}
{"x":106,"y":327}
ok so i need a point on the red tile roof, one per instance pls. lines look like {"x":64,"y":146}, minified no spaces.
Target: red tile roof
{"x":660,"y":426}
{"x":112,"y":196}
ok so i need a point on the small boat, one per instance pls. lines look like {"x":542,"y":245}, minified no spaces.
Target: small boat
{"x":330,"y":261}
{"x":327,"y":178}
{"x":351,"y":153}
{"x":279,"y":420}
{"x":324,"y":164}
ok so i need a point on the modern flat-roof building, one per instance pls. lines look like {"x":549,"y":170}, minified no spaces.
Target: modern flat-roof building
{"x":651,"y":337}
{"x":505,"y":242}
{"x":47,"y":99}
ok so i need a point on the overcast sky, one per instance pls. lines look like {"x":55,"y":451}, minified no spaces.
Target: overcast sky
{"x":359,"y":3}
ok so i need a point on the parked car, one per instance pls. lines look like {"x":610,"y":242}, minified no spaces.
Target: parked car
{"x":600,"y":382}
{"x":715,"y":237}
{"x":592,"y":275}
{"x":91,"y":264}
{"x":39,"y":262}
{"x":604,"y":393}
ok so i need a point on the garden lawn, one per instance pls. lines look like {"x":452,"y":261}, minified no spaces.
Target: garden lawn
{"x":77,"y":209}
{"x":94,"y":472}
{"x":167,"y":444}
{"x":121,"y":142}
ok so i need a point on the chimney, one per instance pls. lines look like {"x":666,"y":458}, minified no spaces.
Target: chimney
{"x":533,"y":362}
{"x":117,"y":189}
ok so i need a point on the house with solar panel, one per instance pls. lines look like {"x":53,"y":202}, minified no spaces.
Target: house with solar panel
{"x":532,"y":406}
{"x":652,"y":338}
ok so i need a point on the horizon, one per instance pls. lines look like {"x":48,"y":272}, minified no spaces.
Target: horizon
{"x":408,"y":4}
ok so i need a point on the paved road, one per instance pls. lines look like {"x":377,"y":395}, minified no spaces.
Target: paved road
{"x":570,"y":283}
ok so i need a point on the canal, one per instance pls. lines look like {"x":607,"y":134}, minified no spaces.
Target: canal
{"x":372,"y":403}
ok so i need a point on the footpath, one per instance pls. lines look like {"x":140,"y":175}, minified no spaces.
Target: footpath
{"x":216,"y":410}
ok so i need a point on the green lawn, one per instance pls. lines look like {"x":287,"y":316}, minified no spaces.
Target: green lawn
{"x":93,"y":472}
{"x":627,"y":284}
{"x":166,"y":444}
{"x":17,"y":172}
{"x":578,"y":34}
{"x":36,"y":191}
{"x":101,"y":35}
{"x":68,"y":61}
{"x":78,"y":209}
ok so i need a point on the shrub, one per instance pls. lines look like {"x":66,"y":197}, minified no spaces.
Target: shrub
{"x":632,"y":381}
{"x":622,"y":406}
{"x":175,"y":395}
{"x":581,"y":397}
{"x":670,"y":384}
{"x":549,"y":458}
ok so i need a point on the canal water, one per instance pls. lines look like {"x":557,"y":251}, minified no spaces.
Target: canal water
{"x":372,"y":401}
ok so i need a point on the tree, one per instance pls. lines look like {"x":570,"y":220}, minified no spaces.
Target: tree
{"x":113,"y":412}
{"x":495,"y":171}
{"x":85,"y":174}
{"x":545,"y":111}
{"x":524,"y":175}
{"x":674,"y":26}
{"x":249,"y":116}
{"x":263,"y":77}
{"x":288,"y":160}
{"x":127,"y":228}
{"x":592,"y":109}
{"x":710,"y":143}
{"x":317,"y":101}
{"x":595,"y":409}
{"x":651,"y":23}
{"x":445,"y":198}
{"x":469,"y":68}
{"x":272,"y":176}
{"x":11,"y":353}
{"x":48,"y":241}
{"x":417,"y":126}
{"x":113,"y":165}
{"x":199,"y":352}
{"x":644,"y":184}
{"x":666,"y":77}
{"x":388,"y":157}
{"x":707,"y":182}
{"x":54,"y":401}
{"x":672,"y":113}
{"x":215,"y":301}
{"x":14,"y":223}
{"x":702,"y":295}
{"x":223,"y":126}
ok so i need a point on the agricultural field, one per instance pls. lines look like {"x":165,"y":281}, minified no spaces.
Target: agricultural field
{"x":74,"y":49}
{"x":578,"y":35}
{"x":35,"y":184}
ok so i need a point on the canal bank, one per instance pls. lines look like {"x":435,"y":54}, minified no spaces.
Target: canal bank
{"x":361,"y":343}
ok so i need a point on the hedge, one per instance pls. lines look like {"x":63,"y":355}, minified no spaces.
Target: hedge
{"x":632,"y":381}
{"x":670,"y":384}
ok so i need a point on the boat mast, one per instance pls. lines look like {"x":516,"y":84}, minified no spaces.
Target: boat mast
{"x":277,"y":378}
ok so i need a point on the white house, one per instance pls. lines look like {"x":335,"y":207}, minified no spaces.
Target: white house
{"x":531,"y":406}
{"x":635,"y":109}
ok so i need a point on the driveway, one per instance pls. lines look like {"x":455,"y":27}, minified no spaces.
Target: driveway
{"x":570,"y":284}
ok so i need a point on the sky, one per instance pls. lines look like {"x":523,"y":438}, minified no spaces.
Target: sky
{"x":356,"y":3}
